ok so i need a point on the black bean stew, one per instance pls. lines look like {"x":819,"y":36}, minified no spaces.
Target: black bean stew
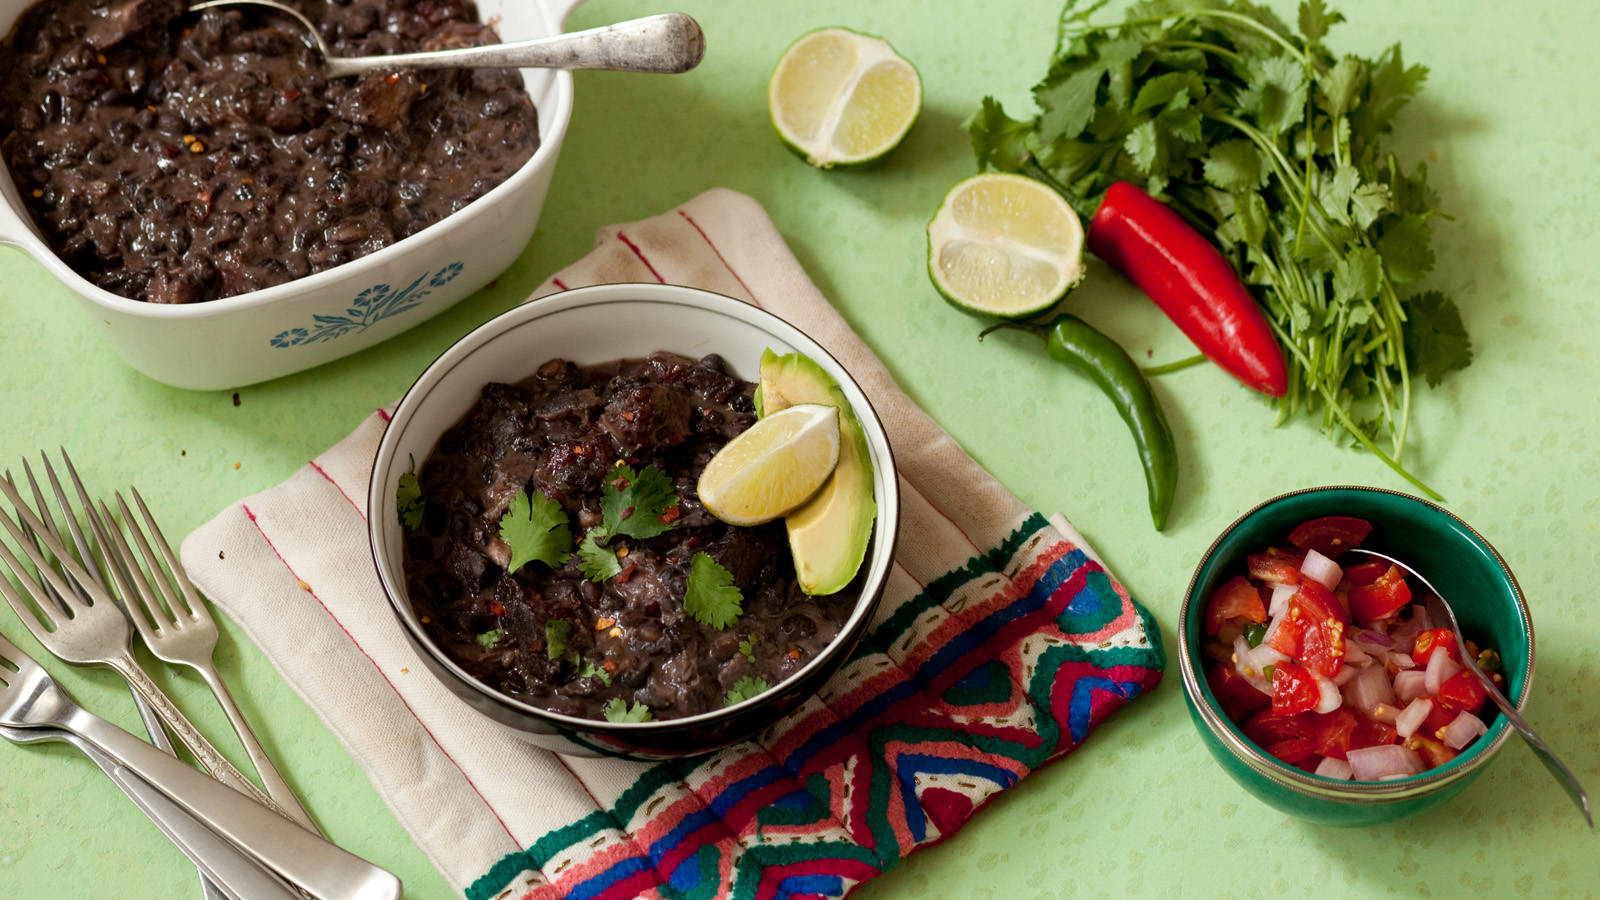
{"x":176,"y":157}
{"x":562,"y":433}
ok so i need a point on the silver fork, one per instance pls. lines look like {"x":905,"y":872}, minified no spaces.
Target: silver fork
{"x":183,"y":631}
{"x":152,"y":722}
{"x":30,"y":698}
{"x":96,"y":633}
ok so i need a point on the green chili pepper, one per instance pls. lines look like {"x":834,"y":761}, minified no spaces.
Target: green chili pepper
{"x":1072,"y":341}
{"x":1254,"y":632}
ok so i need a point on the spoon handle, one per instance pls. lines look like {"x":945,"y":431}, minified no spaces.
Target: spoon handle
{"x":668,"y":43}
{"x":1563,"y":775}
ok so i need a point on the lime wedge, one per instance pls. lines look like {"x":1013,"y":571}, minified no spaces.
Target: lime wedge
{"x":773,"y":467}
{"x":1004,"y":245}
{"x":839,"y":98}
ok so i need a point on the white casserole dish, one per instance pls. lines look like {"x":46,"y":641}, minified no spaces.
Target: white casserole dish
{"x":268,"y":333}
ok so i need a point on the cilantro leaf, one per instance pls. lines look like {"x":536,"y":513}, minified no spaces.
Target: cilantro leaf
{"x":634,"y":509}
{"x":710,"y":597}
{"x":537,"y":529}
{"x":1405,"y":250}
{"x":597,"y":563}
{"x":490,"y":638}
{"x":408,"y":497}
{"x":556,"y":634}
{"x":619,"y":710}
{"x":1235,"y":166}
{"x":1338,"y":88}
{"x":1315,"y":19}
{"x":1436,"y":341}
{"x":1067,"y":100}
{"x":1356,"y":276}
{"x":999,"y":142}
{"x":747,"y":648}
{"x":590,"y":670}
{"x":746,"y":688}
{"x":1277,"y":93}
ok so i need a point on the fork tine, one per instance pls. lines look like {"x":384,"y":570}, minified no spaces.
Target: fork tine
{"x":79,"y":539}
{"x":34,"y":540}
{"x":191,"y":597}
{"x":157,"y":577}
{"x":102,"y":526}
{"x":147,"y":609}
{"x":35,"y":619}
{"x":42,"y":507}
{"x":74,"y":571}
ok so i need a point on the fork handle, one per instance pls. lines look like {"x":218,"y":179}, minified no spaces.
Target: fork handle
{"x":303,"y":859}
{"x":190,"y":736}
{"x":277,"y":788}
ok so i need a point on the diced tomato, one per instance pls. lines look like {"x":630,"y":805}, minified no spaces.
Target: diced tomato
{"x":1237,"y":599}
{"x":1293,"y":690}
{"x":1384,"y":597}
{"x":1276,"y":566}
{"x":1286,"y":639}
{"x":1330,"y":535}
{"x":1237,"y":697}
{"x":1318,"y":602}
{"x":1321,"y":628}
{"x":1433,"y":753}
{"x":1438,"y":717}
{"x":1370,"y":733}
{"x":1434,"y":639}
{"x":1334,"y":732}
{"x":1462,"y":692}
{"x":1289,"y":738}
{"x":1365,"y":573}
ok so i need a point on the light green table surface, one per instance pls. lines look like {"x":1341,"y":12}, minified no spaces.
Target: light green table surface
{"x":1509,"y":125}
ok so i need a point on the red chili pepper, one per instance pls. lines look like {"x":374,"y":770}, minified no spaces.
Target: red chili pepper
{"x":1188,"y":278}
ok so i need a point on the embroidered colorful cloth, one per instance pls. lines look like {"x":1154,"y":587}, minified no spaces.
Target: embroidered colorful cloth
{"x":1000,"y":644}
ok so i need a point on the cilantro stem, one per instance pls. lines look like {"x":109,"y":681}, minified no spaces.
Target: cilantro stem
{"x":1174,"y":366}
{"x":1215,"y":49}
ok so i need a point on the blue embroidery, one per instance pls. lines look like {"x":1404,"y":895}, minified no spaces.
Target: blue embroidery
{"x":370,"y":307}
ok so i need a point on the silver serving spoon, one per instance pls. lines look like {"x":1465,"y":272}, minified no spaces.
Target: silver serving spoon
{"x":668,"y":43}
{"x":1438,"y":609}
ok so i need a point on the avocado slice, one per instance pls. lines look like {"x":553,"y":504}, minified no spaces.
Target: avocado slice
{"x":828,"y":534}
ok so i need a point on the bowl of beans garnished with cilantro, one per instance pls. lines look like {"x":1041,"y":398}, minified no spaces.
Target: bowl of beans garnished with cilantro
{"x":1317,"y":677}
{"x":567,"y":517}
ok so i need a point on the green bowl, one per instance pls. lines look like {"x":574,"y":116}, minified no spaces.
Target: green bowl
{"x":1445,"y":550}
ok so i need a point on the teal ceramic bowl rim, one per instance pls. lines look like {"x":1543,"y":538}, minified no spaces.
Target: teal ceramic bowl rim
{"x":1303,"y":782}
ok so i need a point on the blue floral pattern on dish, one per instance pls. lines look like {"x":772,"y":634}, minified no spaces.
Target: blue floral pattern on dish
{"x":370,"y":307}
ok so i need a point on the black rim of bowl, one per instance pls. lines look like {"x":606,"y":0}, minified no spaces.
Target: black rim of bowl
{"x":559,"y":721}
{"x":1300,"y":780}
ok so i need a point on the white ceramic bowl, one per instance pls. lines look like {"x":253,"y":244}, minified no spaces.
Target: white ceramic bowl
{"x":594,"y":325}
{"x":268,"y":333}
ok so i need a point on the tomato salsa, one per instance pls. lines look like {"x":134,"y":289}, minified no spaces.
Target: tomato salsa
{"x":1336,"y":668}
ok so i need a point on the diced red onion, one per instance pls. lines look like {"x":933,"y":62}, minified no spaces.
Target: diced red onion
{"x":1244,"y":664}
{"x":1354,"y":655}
{"x":1409,"y":685}
{"x":1328,"y":696}
{"x":1383,"y":762}
{"x":1405,"y":634}
{"x":1440,"y":668}
{"x":1420,"y":613}
{"x":1321,"y":569}
{"x":1370,"y":689}
{"x":1402,"y":660}
{"x":1264,"y":656}
{"x":1373,"y":638}
{"x":1463,"y":730}
{"x":1411,"y":718}
{"x":1332,"y":767}
{"x":1345,"y":673}
{"x":1280,"y":599}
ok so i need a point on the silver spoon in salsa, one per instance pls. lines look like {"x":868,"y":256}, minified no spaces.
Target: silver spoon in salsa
{"x":1439,"y":610}
{"x":669,"y":43}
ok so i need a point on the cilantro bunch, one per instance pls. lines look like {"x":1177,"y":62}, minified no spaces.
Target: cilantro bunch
{"x":1270,"y":144}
